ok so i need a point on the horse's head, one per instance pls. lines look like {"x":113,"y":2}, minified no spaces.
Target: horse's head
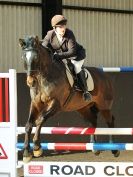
{"x":30,"y":54}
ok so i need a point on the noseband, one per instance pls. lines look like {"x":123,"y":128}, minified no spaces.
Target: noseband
{"x":38,"y":67}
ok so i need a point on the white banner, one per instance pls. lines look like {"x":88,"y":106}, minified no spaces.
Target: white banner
{"x":78,"y":169}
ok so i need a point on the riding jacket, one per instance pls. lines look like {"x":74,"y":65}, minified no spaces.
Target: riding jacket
{"x":68,"y":48}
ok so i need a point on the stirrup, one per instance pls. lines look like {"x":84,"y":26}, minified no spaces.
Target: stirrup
{"x":87,"y":96}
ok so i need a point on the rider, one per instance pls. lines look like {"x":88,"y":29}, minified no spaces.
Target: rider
{"x":62,"y":42}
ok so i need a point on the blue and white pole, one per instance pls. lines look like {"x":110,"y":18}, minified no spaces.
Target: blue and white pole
{"x":117,"y":69}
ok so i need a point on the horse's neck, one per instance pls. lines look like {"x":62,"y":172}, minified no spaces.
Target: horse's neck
{"x":51,"y":70}
{"x":54,"y":72}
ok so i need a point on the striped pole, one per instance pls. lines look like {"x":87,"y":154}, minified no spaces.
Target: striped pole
{"x":80,"y":131}
{"x":81,"y":146}
{"x":116,"y":69}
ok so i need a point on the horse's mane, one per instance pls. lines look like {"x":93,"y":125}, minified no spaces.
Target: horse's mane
{"x":50,"y":52}
{"x":58,"y":63}
{"x":57,"y":69}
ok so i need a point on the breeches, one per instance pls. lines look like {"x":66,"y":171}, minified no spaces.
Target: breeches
{"x":77,"y":65}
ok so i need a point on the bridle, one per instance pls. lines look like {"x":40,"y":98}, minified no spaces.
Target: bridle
{"x":37,"y":69}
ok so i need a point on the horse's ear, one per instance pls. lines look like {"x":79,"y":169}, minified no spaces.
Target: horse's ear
{"x":37,"y":38}
{"x":21,"y":42}
{"x":36,"y":42}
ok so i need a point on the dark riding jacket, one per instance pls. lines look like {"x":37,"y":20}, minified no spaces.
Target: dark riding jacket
{"x":67,"y":49}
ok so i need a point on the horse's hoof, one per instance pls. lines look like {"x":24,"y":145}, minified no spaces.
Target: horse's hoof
{"x":116,"y":153}
{"x":38,"y":153}
{"x":96,"y":152}
{"x":27,"y":159}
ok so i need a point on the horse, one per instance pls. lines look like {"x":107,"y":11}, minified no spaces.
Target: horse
{"x":50,"y":90}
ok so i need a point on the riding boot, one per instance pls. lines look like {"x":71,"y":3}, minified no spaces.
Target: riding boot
{"x":81,"y":76}
{"x":74,"y":75}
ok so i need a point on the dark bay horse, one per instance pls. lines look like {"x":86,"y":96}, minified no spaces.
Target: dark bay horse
{"x":49,"y":89}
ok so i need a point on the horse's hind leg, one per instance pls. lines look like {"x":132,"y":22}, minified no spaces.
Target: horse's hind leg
{"x":109,"y":118}
{"x":90,"y":117}
{"x":93,"y":121}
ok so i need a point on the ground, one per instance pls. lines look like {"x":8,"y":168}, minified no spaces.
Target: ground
{"x":105,"y":156}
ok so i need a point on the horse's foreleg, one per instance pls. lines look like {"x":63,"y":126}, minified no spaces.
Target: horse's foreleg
{"x":27,"y":156}
{"x":51,"y":109}
{"x":109,"y":118}
{"x":37,"y":151}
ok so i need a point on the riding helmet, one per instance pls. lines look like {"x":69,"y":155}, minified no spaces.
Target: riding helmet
{"x":57,"y":20}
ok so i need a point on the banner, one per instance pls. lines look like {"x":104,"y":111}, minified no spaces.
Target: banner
{"x":78,"y":169}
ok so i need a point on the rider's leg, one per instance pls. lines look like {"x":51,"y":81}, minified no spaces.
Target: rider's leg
{"x":86,"y":94}
{"x":71,"y":68}
{"x":81,"y":77}
{"x":74,"y":75}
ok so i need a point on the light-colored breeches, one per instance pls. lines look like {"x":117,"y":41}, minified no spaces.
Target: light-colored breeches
{"x":77,"y":65}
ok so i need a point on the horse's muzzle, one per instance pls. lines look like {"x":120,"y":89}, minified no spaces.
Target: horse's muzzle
{"x":31,"y":81}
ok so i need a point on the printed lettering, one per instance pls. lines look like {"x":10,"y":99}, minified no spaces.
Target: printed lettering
{"x":67,"y":170}
{"x":106,"y":170}
{"x":78,"y":170}
{"x":54,"y":169}
{"x":128,"y":169}
{"x":88,"y":170}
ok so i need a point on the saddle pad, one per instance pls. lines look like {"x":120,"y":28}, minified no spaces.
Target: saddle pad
{"x":90,"y":82}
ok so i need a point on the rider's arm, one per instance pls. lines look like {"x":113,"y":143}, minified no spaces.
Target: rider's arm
{"x":46,"y":40}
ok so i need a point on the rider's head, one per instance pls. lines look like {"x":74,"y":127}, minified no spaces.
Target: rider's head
{"x":58,"y":22}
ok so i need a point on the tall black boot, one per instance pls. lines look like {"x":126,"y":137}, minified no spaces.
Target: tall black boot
{"x":81,"y":76}
{"x":74,"y":75}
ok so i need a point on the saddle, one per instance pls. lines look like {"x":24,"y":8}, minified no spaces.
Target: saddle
{"x":89,"y":79}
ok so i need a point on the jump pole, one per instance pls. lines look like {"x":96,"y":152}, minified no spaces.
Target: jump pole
{"x":8,"y":124}
{"x":117,"y":69}
{"x":80,"y":131}
{"x":81,"y":146}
